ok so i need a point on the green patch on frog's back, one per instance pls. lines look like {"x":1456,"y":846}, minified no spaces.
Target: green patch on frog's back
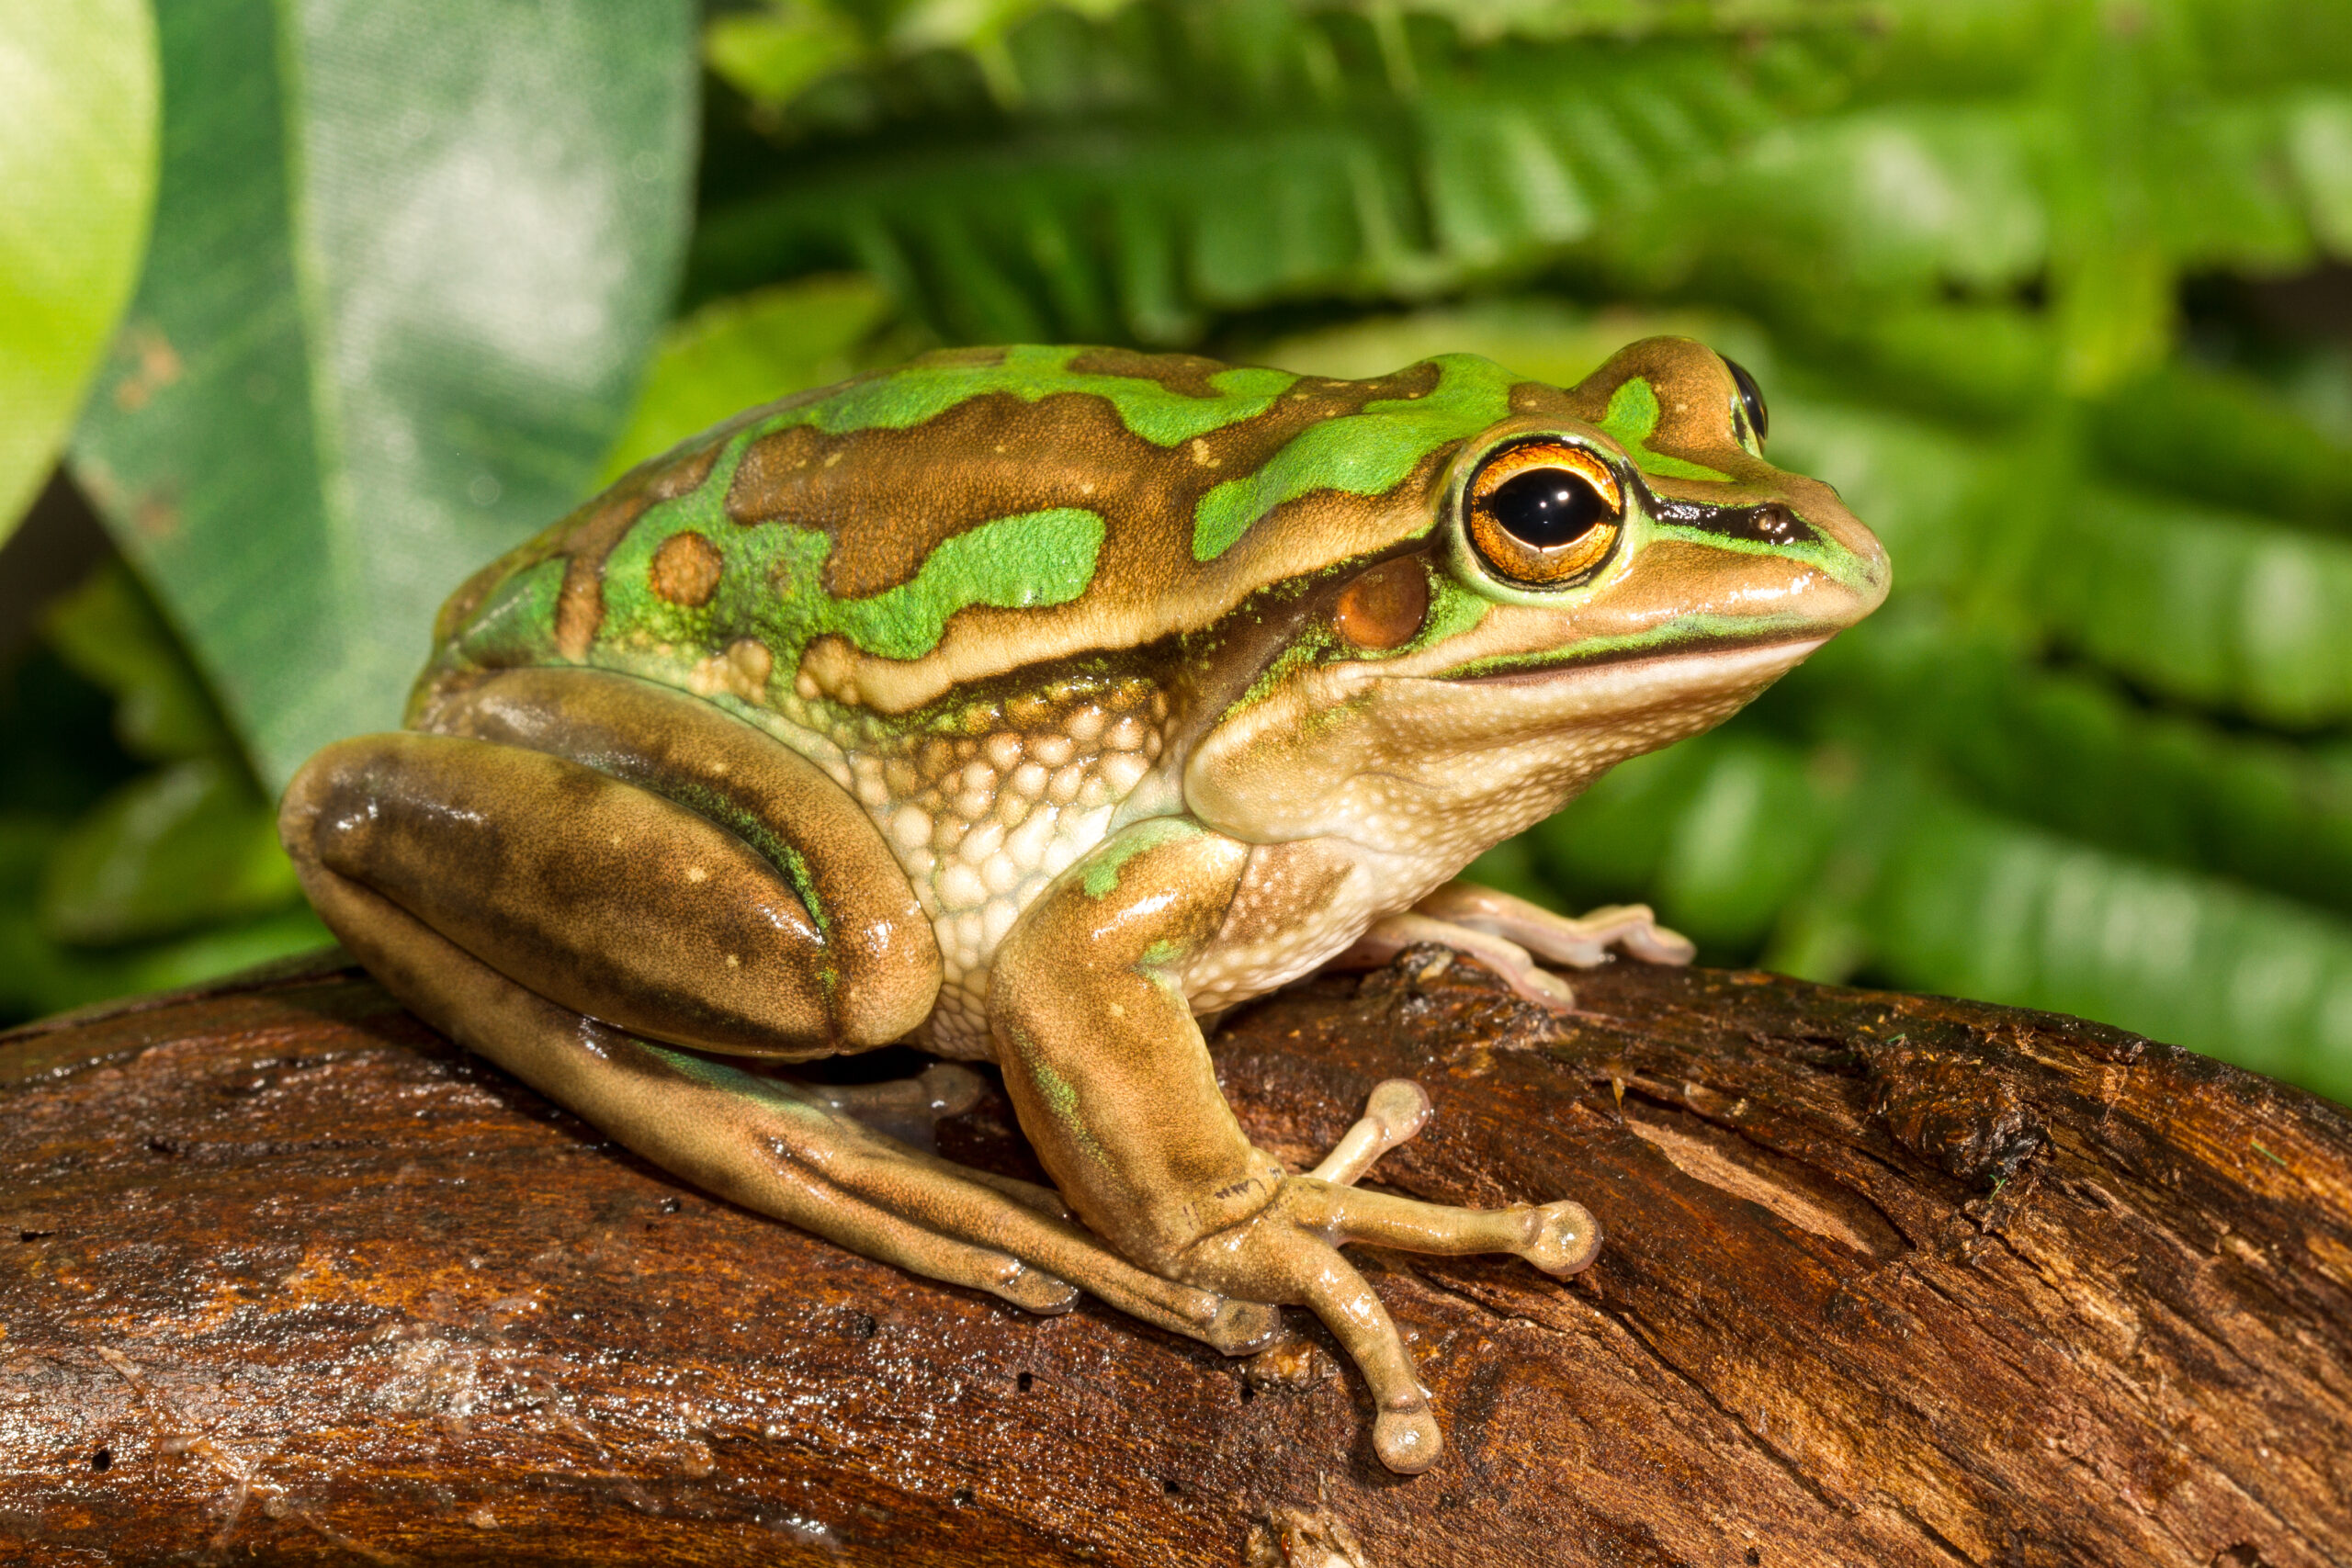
{"x":1147,"y":405}
{"x":768,"y":583}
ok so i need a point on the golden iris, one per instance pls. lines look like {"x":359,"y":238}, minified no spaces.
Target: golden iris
{"x":1545,"y":512}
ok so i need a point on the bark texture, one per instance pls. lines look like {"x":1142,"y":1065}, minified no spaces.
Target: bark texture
{"x":1889,"y":1280}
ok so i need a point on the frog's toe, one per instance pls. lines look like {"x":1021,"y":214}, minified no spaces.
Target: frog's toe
{"x":1394,"y":1114}
{"x":1392,"y":934}
{"x":1565,"y":1238}
{"x":1580,"y":942}
{"x":1243,"y":1328}
{"x":1407,"y":1441}
{"x":1036,"y":1290}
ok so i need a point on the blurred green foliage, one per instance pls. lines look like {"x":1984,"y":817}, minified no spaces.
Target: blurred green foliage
{"x":2053,"y":292}
{"x":77,"y":175}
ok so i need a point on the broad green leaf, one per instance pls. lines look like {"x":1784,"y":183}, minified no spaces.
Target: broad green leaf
{"x":407,"y":261}
{"x":736,"y":354}
{"x":77,"y":179}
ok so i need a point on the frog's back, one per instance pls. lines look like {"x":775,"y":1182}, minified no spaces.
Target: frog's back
{"x":886,"y":539}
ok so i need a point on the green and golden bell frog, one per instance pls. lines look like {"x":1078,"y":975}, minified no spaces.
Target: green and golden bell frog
{"x":1028,"y":704}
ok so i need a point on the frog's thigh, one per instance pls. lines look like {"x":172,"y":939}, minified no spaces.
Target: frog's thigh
{"x":770,"y":1145}
{"x":707,"y":926}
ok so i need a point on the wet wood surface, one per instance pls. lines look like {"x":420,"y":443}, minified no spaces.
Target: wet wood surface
{"x":286,"y":1278}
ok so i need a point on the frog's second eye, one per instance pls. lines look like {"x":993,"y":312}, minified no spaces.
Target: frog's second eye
{"x":1751,"y":400}
{"x":1544,"y":512}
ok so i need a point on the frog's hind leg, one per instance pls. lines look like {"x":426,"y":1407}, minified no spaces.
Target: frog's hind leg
{"x":776,"y":1147}
{"x":575,"y":848}
{"x":1509,"y":935}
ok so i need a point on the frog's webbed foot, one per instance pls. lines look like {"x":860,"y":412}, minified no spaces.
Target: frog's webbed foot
{"x":1509,"y":935}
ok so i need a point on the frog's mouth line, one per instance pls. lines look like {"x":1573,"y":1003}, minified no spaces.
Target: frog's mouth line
{"x":1727,"y":664}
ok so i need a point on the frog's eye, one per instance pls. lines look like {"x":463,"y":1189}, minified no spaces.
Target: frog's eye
{"x":1751,"y":400}
{"x":1544,"y":513}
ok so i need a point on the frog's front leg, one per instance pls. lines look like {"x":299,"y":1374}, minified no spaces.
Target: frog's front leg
{"x":1115,"y":1088}
{"x":1507,"y":935}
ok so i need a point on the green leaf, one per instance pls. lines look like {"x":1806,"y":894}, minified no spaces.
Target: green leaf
{"x":77,"y":179}
{"x":769,"y":55}
{"x":2319,"y":141}
{"x":1339,"y":164}
{"x":736,"y":354}
{"x":1879,"y":871}
{"x":406,"y":264}
{"x":2227,"y":440}
{"x":189,"y":845}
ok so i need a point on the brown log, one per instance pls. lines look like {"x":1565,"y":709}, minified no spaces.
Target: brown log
{"x":1889,"y":1280}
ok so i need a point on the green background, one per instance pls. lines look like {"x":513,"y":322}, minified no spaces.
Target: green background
{"x":2055,"y":294}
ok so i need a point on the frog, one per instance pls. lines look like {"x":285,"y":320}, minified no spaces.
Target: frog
{"x":1031,"y":706}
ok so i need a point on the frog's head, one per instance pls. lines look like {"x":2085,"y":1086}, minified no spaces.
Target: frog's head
{"x":1601,"y":572}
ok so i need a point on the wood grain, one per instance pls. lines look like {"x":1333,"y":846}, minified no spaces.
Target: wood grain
{"x":1889,"y":1280}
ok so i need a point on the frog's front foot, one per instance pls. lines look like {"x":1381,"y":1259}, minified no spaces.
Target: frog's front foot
{"x":1509,"y":935}
{"x":1289,"y":1251}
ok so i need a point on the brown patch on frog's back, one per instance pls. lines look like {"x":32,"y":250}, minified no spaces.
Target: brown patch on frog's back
{"x":588,"y":538}
{"x":890,"y":497}
{"x":579,"y":603}
{"x":1695,"y":396}
{"x":1185,"y":374}
{"x":1537,"y":399}
{"x":686,"y":569}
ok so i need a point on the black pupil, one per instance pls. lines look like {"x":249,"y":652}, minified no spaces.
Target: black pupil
{"x":1751,"y":397}
{"x":1547,"y":507}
